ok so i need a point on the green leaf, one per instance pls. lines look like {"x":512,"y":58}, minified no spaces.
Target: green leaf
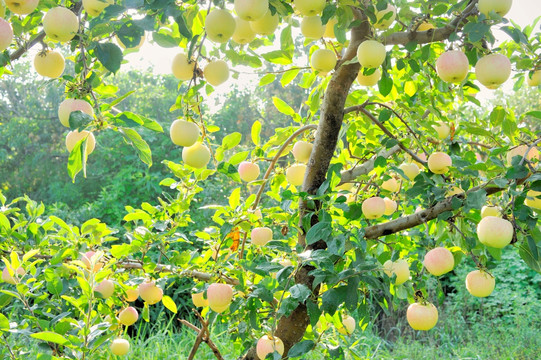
{"x":535,"y":114}
{"x":282,"y":106}
{"x":300,"y":292}
{"x":385,"y":85}
{"x":267,"y":79}
{"x":4,"y":323}
{"x":256,"y":132}
{"x":301,"y":348}
{"x":134,"y":139}
{"x":231,"y":140}
{"x":289,"y":76}
{"x":320,"y":231}
{"x":79,"y":119}
{"x":51,"y":337}
{"x":169,"y":304}
{"x":4,"y":222}
{"x":110,"y":56}
{"x":183,"y":29}
{"x":234,"y":198}
{"x":76,"y":159}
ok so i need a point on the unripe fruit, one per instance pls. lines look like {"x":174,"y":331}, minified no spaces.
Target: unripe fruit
{"x":106,"y":288}
{"x":6,"y":276}
{"x":520,"y":150}
{"x":216,"y":72}
{"x":88,"y":258}
{"x":49,"y":63}
{"x":491,"y":211}
{"x":197,"y":155}
{"x":6,"y":34}
{"x":439,"y":261}
{"x":312,"y":27}
{"x":369,"y":80}
{"x":184,"y":133}
{"x":96,"y":7}
{"x":309,"y":7}
{"x":120,"y":347}
{"x":533,"y":200}
{"x":391,"y":185}
{"x":219,"y":297}
{"x":243,"y":32}
{"x":21,"y":7}
{"x":535,"y":79}
{"x":182,"y":68}
{"x":149,"y":292}
{"x":69,"y":105}
{"x":329,"y":28}
{"x":295,"y":174}
{"x":251,"y":10}
{"x":384,"y":20}
{"x":199,"y":299}
{"x":323,"y":60}
{"x":75,"y":136}
{"x":132,"y":295}
{"x":261,"y":235}
{"x":266,"y":345}
{"x":220,"y":25}
{"x":60,"y":24}
{"x":442,"y":129}
{"x":410,"y":170}
{"x":266,"y":25}
{"x":128,"y":316}
{"x":452,"y":66}
{"x":302,"y":150}
{"x":422,"y":316}
{"x":493,"y":70}
{"x":348,"y":325}
{"x":500,"y":7}
{"x":390,"y":206}
{"x":495,"y":232}
{"x":399,"y":267}
{"x":439,"y":162}
{"x":479,"y":283}
{"x":248,"y":171}
{"x":373,"y":207}
{"x":371,"y":54}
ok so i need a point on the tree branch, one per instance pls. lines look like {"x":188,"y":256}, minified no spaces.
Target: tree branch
{"x":366,"y":167}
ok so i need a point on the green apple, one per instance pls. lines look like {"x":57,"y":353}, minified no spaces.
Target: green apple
{"x":500,"y":7}
{"x":197,"y":155}
{"x":302,"y":150}
{"x":309,"y":7}
{"x":371,"y":53}
{"x":68,"y":106}
{"x":410,"y":170}
{"x":491,"y":211}
{"x":220,"y":25}
{"x":199,"y":299}
{"x":385,"y":17}
{"x":295,"y":174}
{"x":480,"y":283}
{"x":184,"y":133}
{"x":182,"y":67}
{"x":348,"y":325}
{"x":22,"y":7}
{"x":261,"y":235}
{"x":128,"y":316}
{"x":534,"y":79}
{"x":251,"y":10}
{"x":369,"y":80}
{"x":120,"y":347}
{"x":323,"y":60}
{"x":243,"y":32}
{"x":442,"y":129}
{"x":329,"y":28}
{"x":533,"y":199}
{"x":75,"y":136}
{"x":267,"y":25}
{"x":400,"y":268}
{"x":60,"y":24}
{"x":422,"y":316}
{"x":49,"y":63}
{"x":216,"y":72}
{"x":96,"y":7}
{"x":312,"y":27}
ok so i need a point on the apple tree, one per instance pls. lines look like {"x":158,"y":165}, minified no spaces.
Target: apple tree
{"x":379,"y":183}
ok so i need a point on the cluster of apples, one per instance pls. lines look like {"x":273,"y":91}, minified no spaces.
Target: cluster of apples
{"x":186,"y":134}
{"x":218,"y":297}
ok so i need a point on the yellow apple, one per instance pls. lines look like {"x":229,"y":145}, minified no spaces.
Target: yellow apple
{"x":49,"y":63}
{"x":184,"y":133}
{"x":132,"y":295}
{"x":534,"y":79}
{"x":261,"y":235}
{"x":128,"y":316}
{"x":60,"y":24}
{"x":216,"y":72}
{"x":495,"y":232}
{"x":323,"y":60}
{"x":197,"y":155}
{"x":219,"y":297}
{"x":385,"y":17}
{"x":491,"y":211}
{"x":266,"y":25}
{"x":410,"y":170}
{"x":455,"y":190}
{"x":500,"y":7}
{"x":309,"y":7}
{"x":520,"y":150}
{"x":373,"y":207}
{"x":348,"y":325}
{"x":329,"y":28}
{"x":425,"y":26}
{"x":243,"y":32}
{"x":251,"y":10}
{"x":138,"y":46}
{"x":22,"y":7}
{"x":295,"y":174}
{"x":480,"y":283}
{"x":182,"y":68}
{"x":95,"y":7}
{"x":439,"y":162}
{"x":400,"y":268}
{"x":345,"y":187}
{"x":268,"y":345}
{"x":422,"y":316}
{"x":493,"y":70}
{"x":371,"y":53}
{"x":439,"y":261}
{"x":369,"y":80}
{"x":6,"y":34}
{"x":390,"y":206}
{"x":75,"y":136}
{"x":391,"y":185}
{"x":442,"y":129}
{"x":9,"y":278}
{"x":248,"y":171}
{"x":302,"y":150}
{"x":150,"y":293}
{"x":120,"y":347}
{"x":220,"y":25}
{"x":452,"y":66}
{"x":312,"y":27}
{"x":68,"y":106}
{"x":106,"y":288}
{"x":199,"y":299}
{"x":533,"y":199}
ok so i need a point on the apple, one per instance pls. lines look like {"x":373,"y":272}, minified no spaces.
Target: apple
{"x":422,"y":316}
{"x":491,"y":211}
{"x":495,"y":232}
{"x":261,"y":235}
{"x":251,"y":10}
{"x":439,"y":162}
{"x":480,"y":283}
{"x":21,"y":7}
{"x":95,"y":7}
{"x":520,"y":150}
{"x":120,"y":347}
{"x":132,"y":295}
{"x":6,"y":34}
{"x":75,"y":136}
{"x":425,"y":26}
{"x":128,"y":316}
{"x":493,"y":70}
{"x":309,"y":7}
{"x":400,"y":268}
{"x":216,"y":72}
{"x":533,"y":199}
{"x":106,"y":288}
{"x":384,"y":20}
{"x":8,"y":278}
{"x":500,"y":7}
{"x":410,"y":170}
{"x":345,"y":187}
{"x":220,"y":25}
{"x":67,"y":106}
{"x":184,"y":133}
{"x":312,"y":27}
{"x":266,"y":25}
{"x":391,"y":185}
{"x":88,"y":259}
{"x":369,"y":80}
{"x":390,"y":206}
{"x":138,"y":46}
{"x":268,"y":345}
{"x":219,"y":297}
{"x":243,"y":32}
{"x":329,"y":28}
{"x":150,"y":293}
{"x":49,"y":63}
{"x":348,"y":325}
{"x":371,"y":53}
{"x":533,"y":80}
{"x":439,"y":261}
{"x":182,"y":67}
{"x":199,"y":299}
{"x":302,"y":150}
{"x":295,"y":174}
{"x":197,"y":155}
{"x":442,"y":129}
{"x":248,"y":171}
{"x":421,"y":156}
{"x":60,"y":24}
{"x":373,"y":207}
{"x":452,"y":66}
{"x":455,"y":190}
{"x":323,"y":60}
